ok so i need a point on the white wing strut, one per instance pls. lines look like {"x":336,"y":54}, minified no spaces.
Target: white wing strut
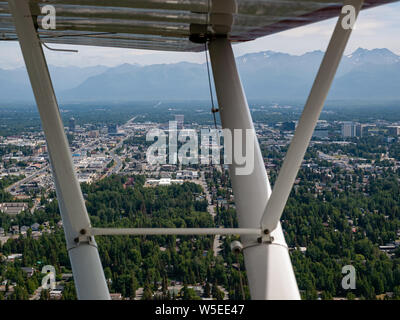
{"x":88,"y":273}
{"x":308,"y":121}
{"x":269,"y":270}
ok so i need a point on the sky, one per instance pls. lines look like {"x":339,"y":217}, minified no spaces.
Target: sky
{"x":375,"y":28}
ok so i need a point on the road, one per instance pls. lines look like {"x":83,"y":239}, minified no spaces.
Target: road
{"x":117,"y":160}
{"x":212,"y":211}
{"x":42,"y":170}
{"x":36,"y":294}
{"x":115,"y":169}
{"x":27,"y":179}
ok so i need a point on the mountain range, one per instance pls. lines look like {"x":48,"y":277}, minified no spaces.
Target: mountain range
{"x":362,"y":75}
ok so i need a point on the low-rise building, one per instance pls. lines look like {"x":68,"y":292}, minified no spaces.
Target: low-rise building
{"x":13,"y":208}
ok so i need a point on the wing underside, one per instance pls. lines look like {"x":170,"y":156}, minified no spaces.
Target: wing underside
{"x":167,"y":24}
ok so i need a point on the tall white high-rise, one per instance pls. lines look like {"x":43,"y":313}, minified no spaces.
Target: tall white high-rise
{"x":349,"y":129}
{"x":179,"y":120}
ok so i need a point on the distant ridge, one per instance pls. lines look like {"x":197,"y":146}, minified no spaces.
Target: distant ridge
{"x":364,"y":74}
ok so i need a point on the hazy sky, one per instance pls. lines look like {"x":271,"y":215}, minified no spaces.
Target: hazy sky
{"x":376,"y":28}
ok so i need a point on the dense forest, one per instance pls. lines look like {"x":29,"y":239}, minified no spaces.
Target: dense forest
{"x":321,"y":224}
{"x":345,"y":229}
{"x":151,"y":262}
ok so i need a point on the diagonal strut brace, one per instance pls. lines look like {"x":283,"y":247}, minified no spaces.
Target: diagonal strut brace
{"x":308,"y":120}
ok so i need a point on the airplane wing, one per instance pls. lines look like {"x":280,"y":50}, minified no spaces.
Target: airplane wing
{"x":169,"y":24}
